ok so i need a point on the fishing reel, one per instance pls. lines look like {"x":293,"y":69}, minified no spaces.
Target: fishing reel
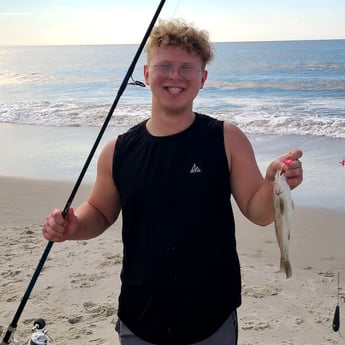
{"x":39,"y":335}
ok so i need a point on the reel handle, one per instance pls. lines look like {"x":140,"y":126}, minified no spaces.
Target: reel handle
{"x":39,"y":324}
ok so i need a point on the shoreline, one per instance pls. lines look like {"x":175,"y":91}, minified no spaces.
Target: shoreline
{"x":59,"y":153}
{"x":65,"y":188}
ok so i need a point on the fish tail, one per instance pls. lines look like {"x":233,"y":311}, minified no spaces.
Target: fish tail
{"x":282,"y":265}
{"x":288,"y":269}
{"x":285,"y":266}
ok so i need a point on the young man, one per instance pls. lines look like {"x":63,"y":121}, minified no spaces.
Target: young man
{"x":172,"y":177}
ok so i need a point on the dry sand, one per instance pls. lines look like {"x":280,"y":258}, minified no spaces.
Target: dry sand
{"x":77,"y":290}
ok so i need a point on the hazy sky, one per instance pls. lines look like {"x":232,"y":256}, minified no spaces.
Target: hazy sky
{"x":37,"y":22}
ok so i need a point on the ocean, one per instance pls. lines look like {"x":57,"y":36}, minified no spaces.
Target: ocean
{"x":286,"y":94}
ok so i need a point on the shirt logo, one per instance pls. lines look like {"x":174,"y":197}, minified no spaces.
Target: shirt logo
{"x":195,"y":169}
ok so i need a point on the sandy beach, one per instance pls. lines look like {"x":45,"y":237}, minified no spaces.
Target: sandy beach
{"x":77,"y":290}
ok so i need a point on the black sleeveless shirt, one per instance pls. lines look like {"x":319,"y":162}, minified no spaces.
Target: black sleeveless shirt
{"x":181,"y":273}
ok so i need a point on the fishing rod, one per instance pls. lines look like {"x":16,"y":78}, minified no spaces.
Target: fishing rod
{"x":9,"y":336}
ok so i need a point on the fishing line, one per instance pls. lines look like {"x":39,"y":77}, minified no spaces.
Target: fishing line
{"x":176,"y":8}
{"x":13,"y":325}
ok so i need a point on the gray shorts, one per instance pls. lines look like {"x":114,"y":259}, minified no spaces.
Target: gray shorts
{"x":226,"y":334}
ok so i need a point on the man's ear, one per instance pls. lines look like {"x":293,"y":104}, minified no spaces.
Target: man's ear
{"x":203,"y":78}
{"x":146,"y":74}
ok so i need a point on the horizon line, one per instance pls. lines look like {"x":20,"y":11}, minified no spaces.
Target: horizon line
{"x":213,"y":42}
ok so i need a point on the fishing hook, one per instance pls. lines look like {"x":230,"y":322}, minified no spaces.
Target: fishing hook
{"x":13,"y":325}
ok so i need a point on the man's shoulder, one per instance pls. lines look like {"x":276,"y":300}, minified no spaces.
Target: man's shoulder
{"x":132,"y":132}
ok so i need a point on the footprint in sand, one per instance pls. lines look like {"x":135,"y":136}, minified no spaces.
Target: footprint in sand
{"x":111,"y":259}
{"x":260,"y":291}
{"x":255,"y":325}
{"x":100,"y":310}
{"x":75,"y":319}
{"x":10,"y":274}
{"x":82,"y":280}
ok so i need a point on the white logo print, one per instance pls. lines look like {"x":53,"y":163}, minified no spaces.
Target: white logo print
{"x":195,"y":169}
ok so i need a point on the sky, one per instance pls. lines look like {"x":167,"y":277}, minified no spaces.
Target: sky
{"x":60,"y":22}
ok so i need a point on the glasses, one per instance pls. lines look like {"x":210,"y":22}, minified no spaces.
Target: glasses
{"x":185,"y":72}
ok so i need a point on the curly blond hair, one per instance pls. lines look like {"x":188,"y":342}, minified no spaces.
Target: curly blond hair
{"x":177,"y":33}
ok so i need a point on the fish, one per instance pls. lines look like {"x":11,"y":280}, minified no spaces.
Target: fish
{"x":283,"y":206}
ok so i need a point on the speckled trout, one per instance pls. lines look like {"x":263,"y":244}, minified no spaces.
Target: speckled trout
{"x":283,"y":206}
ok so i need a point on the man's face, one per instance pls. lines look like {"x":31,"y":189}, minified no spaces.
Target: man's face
{"x":175,"y":77}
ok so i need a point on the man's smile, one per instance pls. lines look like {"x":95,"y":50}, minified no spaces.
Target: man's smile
{"x":174,"y":90}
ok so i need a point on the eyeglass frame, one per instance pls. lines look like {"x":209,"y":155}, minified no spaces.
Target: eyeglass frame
{"x":170,"y":70}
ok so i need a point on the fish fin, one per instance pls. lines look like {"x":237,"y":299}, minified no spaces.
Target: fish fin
{"x":282,"y":266}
